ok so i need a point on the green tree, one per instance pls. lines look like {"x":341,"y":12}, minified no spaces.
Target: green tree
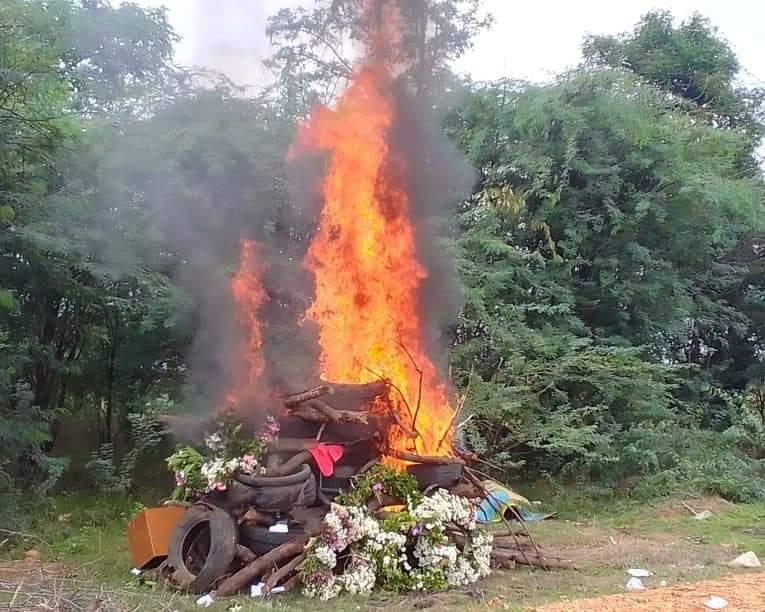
{"x":60,"y":63}
{"x":315,"y":51}
{"x":690,"y":61}
{"x":602,"y":239}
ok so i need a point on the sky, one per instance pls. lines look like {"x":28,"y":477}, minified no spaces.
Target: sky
{"x":530,"y":39}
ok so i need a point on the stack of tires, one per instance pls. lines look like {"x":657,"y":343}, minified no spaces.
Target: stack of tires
{"x":206,"y":543}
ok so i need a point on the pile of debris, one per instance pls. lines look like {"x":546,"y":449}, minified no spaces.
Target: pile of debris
{"x":255,"y":531}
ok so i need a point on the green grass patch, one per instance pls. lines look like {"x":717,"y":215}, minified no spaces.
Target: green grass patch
{"x":87,"y":533}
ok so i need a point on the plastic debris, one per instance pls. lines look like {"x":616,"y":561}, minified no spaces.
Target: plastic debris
{"x":136,"y":572}
{"x":639,"y":573}
{"x":279,"y":528}
{"x":635,"y":584}
{"x":716,"y":603}
{"x":256,"y":590}
{"x":206,"y":600}
{"x":748,"y":560}
{"x":702,"y":516}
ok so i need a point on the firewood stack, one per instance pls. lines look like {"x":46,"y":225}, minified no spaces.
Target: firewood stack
{"x":271,"y":524}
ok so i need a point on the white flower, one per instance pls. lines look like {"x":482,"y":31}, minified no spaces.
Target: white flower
{"x":326,"y":555}
{"x":443,"y":507}
{"x":359,"y":579}
{"x":326,"y":588}
{"x":215,"y":442}
{"x":461,"y":572}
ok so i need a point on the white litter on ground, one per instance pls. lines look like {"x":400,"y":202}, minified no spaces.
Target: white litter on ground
{"x":716,"y":603}
{"x":747,"y":560}
{"x":635,"y":584}
{"x":206,"y":600}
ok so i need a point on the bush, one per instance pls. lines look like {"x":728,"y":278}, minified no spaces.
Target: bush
{"x":111,"y":474}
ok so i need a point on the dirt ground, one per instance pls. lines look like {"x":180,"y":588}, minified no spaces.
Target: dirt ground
{"x":744,"y":593}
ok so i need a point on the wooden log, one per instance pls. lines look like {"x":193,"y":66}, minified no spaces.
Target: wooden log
{"x":357,"y":397}
{"x":244,"y":554}
{"x":283,"y":572}
{"x":248,"y":574}
{"x":411,"y":457}
{"x":296,"y":445}
{"x":292,"y":583}
{"x":501,"y":544}
{"x":318,"y":411}
{"x":298,"y":398}
{"x":508,"y":564}
{"x":532,"y":559}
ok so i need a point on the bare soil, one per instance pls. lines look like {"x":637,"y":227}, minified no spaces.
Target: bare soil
{"x":743,"y":592}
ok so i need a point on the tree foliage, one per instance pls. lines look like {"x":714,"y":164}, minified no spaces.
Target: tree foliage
{"x":690,"y":61}
{"x":612,"y":255}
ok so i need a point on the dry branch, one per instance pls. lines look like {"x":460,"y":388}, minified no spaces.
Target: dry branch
{"x":283,"y":572}
{"x":486,"y":495}
{"x":457,"y":412}
{"x":418,"y":369}
{"x":257,"y":568}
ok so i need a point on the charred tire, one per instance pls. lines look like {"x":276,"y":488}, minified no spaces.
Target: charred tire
{"x":284,"y":498}
{"x":340,"y":480}
{"x":198,"y":524}
{"x":279,"y":493}
{"x":276,"y":481}
{"x":260,"y":540}
{"x":439,"y":475}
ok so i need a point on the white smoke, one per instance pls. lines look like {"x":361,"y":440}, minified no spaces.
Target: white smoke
{"x":227,"y":36}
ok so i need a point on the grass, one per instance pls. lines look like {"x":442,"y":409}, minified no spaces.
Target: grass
{"x":86,"y":534}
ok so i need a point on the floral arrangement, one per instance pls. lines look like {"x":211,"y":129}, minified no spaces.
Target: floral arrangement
{"x":226,"y":452}
{"x":415,"y":549}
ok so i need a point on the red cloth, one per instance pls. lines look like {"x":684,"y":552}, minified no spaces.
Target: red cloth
{"x":326,"y":456}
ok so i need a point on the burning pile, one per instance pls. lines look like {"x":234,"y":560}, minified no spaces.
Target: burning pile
{"x":377,"y":428}
{"x":365,"y":263}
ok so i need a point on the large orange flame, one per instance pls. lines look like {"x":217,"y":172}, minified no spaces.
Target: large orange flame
{"x":365,"y":263}
{"x":249,"y":295}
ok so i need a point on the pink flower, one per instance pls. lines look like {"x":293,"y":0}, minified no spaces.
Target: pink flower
{"x":273,"y":426}
{"x":377,"y":488}
{"x":219,"y":486}
{"x":180,"y":479}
